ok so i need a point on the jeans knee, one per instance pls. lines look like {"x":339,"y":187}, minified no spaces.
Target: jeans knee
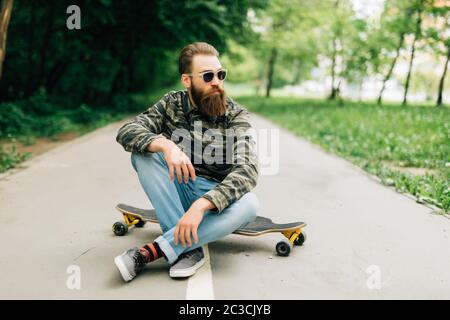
{"x":139,"y":160}
{"x":134,"y":159}
{"x":251,"y":206}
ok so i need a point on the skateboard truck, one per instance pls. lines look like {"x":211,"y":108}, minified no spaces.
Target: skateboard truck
{"x":293,"y":238}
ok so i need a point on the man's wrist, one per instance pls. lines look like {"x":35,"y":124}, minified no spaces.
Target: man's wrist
{"x":167,"y":146}
{"x":204,"y":204}
{"x":161,"y":145}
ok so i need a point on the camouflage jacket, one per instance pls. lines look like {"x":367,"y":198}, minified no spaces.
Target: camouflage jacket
{"x":220,"y":148}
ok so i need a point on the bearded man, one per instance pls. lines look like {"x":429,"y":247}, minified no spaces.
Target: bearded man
{"x":195,"y":158}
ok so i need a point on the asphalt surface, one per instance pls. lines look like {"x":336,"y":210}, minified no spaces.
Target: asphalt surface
{"x":365,"y":241}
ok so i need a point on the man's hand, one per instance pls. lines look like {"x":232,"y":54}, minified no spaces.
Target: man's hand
{"x":177,"y":161}
{"x":190,"y":221}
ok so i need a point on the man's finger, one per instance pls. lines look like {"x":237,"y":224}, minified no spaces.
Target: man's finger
{"x":179,"y":175}
{"x":194,"y":234}
{"x":171,"y":172}
{"x":191,"y":171}
{"x":187,"y":235}
{"x":183,"y":242}
{"x":185,"y":173}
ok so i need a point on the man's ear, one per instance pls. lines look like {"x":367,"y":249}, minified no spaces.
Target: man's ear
{"x":186,"y":81}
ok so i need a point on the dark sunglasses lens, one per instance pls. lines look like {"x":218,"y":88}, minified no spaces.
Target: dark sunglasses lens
{"x":207,"y":77}
{"x":221,"y":74}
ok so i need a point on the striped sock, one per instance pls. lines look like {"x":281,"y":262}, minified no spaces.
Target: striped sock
{"x":151,"y":252}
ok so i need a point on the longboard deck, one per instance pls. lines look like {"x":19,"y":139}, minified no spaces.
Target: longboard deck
{"x":147,"y":215}
{"x":260,"y":225}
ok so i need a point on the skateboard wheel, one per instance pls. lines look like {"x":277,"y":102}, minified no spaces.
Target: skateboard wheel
{"x":283,"y":248}
{"x":300,"y":239}
{"x":140,"y":224}
{"x":120,"y":228}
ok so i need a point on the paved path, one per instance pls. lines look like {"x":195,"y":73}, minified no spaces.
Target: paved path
{"x":56,"y":217}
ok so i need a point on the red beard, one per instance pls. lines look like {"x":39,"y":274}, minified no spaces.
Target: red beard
{"x":212,"y":103}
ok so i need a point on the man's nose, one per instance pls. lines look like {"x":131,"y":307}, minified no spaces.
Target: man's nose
{"x":215,"y":81}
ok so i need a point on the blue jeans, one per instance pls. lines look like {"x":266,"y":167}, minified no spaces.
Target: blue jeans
{"x":172,"y":199}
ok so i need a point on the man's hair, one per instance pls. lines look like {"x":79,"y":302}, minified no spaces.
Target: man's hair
{"x":188,"y":53}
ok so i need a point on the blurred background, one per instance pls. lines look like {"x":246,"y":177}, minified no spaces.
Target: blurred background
{"x":365,"y":79}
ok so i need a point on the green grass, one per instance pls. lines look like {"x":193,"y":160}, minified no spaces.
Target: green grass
{"x":52,"y":126}
{"x":9,"y":158}
{"x":386,"y":141}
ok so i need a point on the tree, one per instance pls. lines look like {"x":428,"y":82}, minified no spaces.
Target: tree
{"x":5,"y":15}
{"x":358,"y":58}
{"x":285,"y":40}
{"x":394,"y":25}
{"x":442,"y":79}
{"x":337,"y":31}
{"x":438,"y":34}
{"x":272,"y":23}
{"x":416,"y":9}
{"x":122,"y":47}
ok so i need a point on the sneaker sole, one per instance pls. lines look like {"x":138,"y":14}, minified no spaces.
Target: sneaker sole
{"x":123,"y":270}
{"x":186,"y":272}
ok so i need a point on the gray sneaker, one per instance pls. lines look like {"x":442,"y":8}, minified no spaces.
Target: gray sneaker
{"x":130,"y":263}
{"x":187,"y":264}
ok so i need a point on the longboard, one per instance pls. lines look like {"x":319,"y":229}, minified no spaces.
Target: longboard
{"x":292,"y":232}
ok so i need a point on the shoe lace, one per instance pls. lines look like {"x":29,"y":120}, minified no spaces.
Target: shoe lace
{"x":139,"y":260}
{"x":191,"y":253}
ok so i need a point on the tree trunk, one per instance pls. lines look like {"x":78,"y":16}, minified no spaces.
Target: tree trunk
{"x":391,"y":69}
{"x":441,"y":82}
{"x":334,"y":90}
{"x":297,"y":69}
{"x":5,"y":17}
{"x":333,"y":75}
{"x":273,"y":57}
{"x":338,"y":97}
{"x":416,"y":35}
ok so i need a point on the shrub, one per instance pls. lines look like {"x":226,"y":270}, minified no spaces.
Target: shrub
{"x":13,"y":121}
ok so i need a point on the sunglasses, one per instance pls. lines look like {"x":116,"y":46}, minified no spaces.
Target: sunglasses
{"x":208,"y":76}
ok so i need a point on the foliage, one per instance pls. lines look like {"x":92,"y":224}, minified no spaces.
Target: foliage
{"x":288,"y":27}
{"x":384,"y":140}
{"x":123,"y":46}
{"x":9,"y":158}
{"x":18,"y":126}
